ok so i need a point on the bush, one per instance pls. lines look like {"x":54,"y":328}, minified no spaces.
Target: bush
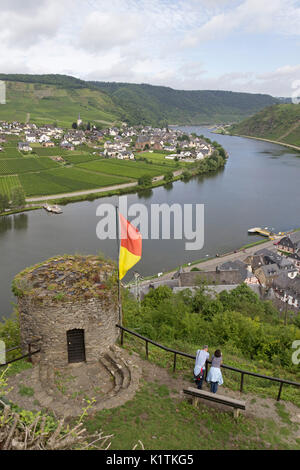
{"x":238,"y":319}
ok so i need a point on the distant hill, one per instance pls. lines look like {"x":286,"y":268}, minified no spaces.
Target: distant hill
{"x":280,"y":122}
{"x":59,"y":101}
{"x":147,"y":103}
{"x":60,"y":98}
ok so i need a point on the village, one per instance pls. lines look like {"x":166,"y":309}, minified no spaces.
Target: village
{"x":273,"y":273}
{"x":114,"y":142}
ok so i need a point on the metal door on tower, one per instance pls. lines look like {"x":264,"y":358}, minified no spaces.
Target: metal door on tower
{"x":76,"y":346}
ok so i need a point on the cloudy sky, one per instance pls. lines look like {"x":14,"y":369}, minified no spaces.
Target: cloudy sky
{"x":239,"y":45}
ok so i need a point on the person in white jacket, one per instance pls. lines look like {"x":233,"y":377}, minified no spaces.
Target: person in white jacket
{"x":202,"y":356}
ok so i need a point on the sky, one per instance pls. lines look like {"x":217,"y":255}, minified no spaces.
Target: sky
{"x":237,"y":45}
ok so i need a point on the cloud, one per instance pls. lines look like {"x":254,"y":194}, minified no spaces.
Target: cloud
{"x":139,"y":41}
{"x":21,"y":28}
{"x":250,"y":16}
{"x":101,"y":31}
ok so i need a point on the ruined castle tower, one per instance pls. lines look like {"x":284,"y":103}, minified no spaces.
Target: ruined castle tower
{"x":68,"y":309}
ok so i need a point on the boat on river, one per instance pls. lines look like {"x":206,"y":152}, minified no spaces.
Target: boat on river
{"x":265,"y":232}
{"x":53,"y":209}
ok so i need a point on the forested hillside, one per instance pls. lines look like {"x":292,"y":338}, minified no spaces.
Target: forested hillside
{"x":146,"y":103}
{"x":280,"y":122}
{"x":60,"y":98}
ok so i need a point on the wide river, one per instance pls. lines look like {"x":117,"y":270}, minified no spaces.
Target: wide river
{"x":260,"y":186}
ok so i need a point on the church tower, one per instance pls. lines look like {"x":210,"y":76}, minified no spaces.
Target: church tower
{"x":79,"y":121}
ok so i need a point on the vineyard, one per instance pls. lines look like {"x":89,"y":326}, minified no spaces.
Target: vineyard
{"x":10,"y":152}
{"x":39,"y":175}
{"x":24,"y":165}
{"x":64,"y":180}
{"x":130,"y":169}
{"x":7,"y":183}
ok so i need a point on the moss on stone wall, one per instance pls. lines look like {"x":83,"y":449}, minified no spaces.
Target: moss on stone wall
{"x":68,"y":278}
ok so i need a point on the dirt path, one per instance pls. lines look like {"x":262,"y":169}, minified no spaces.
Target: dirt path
{"x":82,"y":193}
{"x":271,"y":141}
{"x":293,"y":128}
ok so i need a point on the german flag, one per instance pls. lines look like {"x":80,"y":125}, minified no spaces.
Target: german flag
{"x":131,"y":247}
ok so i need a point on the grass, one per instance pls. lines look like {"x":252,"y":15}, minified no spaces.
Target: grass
{"x":257,"y":386}
{"x":17,"y":367}
{"x":157,"y":158}
{"x":26,"y":391}
{"x":184,"y":427}
{"x":282,"y":413}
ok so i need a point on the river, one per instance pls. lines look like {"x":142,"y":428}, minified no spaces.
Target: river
{"x":258,"y":187}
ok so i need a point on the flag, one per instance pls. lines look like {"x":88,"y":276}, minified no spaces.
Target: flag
{"x":131,"y":247}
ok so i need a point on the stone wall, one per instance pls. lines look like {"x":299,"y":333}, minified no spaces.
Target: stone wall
{"x":193,"y":278}
{"x":51,"y":321}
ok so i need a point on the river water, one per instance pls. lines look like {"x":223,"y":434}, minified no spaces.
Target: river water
{"x":259,"y":187}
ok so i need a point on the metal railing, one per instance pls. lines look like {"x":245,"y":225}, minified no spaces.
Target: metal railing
{"x":190,"y":356}
{"x":24,"y":356}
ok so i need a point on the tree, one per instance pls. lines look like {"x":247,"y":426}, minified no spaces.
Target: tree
{"x":168,"y":177}
{"x":145,"y":181}
{"x":88,"y":127}
{"x":4,"y":202}
{"x":74,"y":125}
{"x":17,"y":197}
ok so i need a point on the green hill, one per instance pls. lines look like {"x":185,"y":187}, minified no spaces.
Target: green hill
{"x":59,"y":98}
{"x":61,"y":103}
{"x":157,"y":104}
{"x":280,"y":122}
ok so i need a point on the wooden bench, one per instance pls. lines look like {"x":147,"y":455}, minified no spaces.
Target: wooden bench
{"x":196,"y":394}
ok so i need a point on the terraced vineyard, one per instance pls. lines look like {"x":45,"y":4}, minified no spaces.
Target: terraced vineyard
{"x":7,"y":183}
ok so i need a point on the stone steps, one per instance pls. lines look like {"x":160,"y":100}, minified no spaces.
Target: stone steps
{"x":122,"y":366}
{"x":115,"y":363}
{"x":114,"y":372}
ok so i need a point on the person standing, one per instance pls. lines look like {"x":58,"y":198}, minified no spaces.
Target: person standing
{"x":199,"y":370}
{"x":214,"y":376}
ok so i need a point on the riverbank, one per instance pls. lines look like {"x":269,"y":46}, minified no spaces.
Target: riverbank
{"x":20,"y":211}
{"x":294,"y":147}
{"x":213,"y":262}
{"x":90,"y":195}
{"x":118,"y":190}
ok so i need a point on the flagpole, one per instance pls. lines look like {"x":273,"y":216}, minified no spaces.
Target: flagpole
{"x":119,"y":282}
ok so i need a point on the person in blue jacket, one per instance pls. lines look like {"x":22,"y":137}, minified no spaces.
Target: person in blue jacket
{"x":214,"y":376}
